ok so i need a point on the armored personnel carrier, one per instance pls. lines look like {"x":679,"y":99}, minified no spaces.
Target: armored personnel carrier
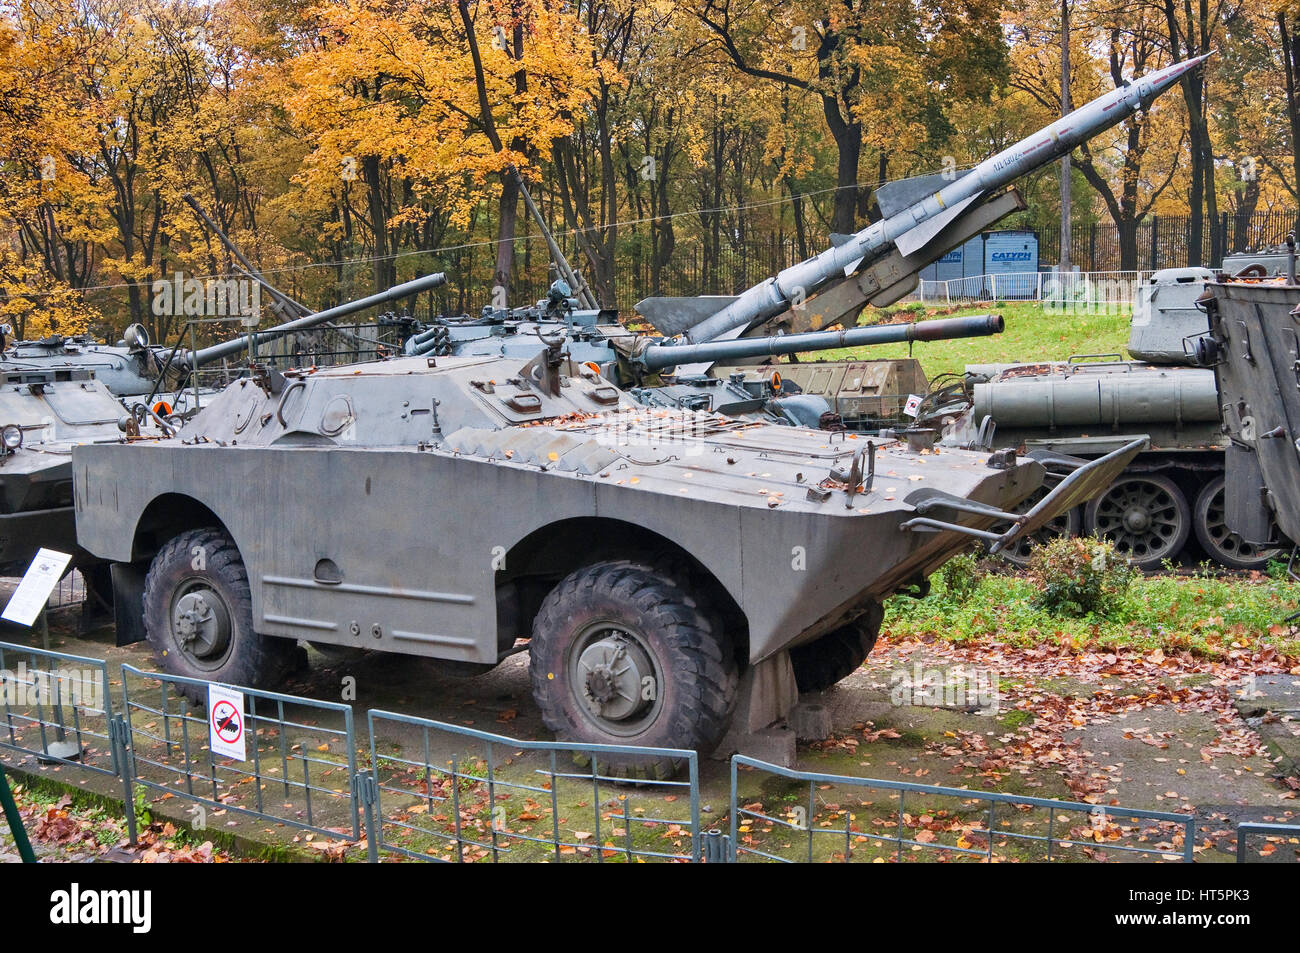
{"x":45,"y":413}
{"x":1253,"y":346}
{"x":672,"y":570}
{"x":1173,"y":492}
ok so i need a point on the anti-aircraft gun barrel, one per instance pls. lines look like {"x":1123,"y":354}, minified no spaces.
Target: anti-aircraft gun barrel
{"x":657,"y":357}
{"x":216,"y":352}
{"x":917,"y":210}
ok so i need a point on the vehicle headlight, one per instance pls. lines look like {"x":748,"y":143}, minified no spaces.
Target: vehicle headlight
{"x":12,"y":437}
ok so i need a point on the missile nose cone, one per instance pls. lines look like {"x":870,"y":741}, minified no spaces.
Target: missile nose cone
{"x":1166,"y":77}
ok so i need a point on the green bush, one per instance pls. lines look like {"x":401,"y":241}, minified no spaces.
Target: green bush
{"x":1078,"y":576}
{"x":962,"y":576}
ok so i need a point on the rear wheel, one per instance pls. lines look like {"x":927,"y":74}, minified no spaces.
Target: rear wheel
{"x":837,"y":654}
{"x":1220,"y":543}
{"x":1019,"y":552}
{"x":621,"y":654}
{"x":1144,"y":516}
{"x":198,"y":616}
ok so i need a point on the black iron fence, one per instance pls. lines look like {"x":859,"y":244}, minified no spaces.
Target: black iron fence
{"x":695,"y":267}
{"x":1165,"y":241}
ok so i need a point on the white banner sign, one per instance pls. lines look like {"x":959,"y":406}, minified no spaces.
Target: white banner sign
{"x":38,"y":582}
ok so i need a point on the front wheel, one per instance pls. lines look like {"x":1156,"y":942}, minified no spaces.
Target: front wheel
{"x":837,"y":654}
{"x":198,"y":616}
{"x":621,"y":654}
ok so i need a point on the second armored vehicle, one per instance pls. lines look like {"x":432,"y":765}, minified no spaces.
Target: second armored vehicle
{"x":1173,"y":492}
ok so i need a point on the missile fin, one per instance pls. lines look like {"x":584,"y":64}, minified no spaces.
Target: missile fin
{"x":670,"y":316}
{"x":914,"y":239}
{"x":893,"y":197}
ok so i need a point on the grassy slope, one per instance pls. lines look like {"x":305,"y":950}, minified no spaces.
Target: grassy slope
{"x":1032,"y":334}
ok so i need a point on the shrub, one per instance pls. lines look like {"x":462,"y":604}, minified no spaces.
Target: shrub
{"x":962,"y":576}
{"x":1079,"y":576}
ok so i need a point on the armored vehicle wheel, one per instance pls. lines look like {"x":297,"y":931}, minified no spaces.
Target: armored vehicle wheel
{"x":837,"y":654}
{"x":622,"y":655}
{"x":198,"y":616}
{"x":1145,"y":517}
{"x":1220,"y":543}
{"x":1019,"y":552}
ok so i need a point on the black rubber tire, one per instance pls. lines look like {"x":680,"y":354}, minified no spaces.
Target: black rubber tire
{"x":837,"y":654}
{"x":697,"y":667}
{"x":1172,"y":503}
{"x":1022,"y":550}
{"x":251,"y":660}
{"x":1220,"y":544}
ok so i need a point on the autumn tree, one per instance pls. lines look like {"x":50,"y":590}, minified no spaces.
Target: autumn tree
{"x":885,"y":72}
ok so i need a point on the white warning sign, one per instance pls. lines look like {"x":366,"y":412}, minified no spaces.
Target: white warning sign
{"x":226,"y":722}
{"x":913,"y":405}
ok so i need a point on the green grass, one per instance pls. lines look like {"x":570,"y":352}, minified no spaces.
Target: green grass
{"x":1032,"y":334}
{"x":1205,"y":614}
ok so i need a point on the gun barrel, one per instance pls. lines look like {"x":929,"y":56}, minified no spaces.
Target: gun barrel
{"x":216,"y":352}
{"x":913,"y":226}
{"x":657,"y":357}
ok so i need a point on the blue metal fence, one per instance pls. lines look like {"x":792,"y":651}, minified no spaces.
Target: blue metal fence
{"x":962,"y":823}
{"x":56,"y":708}
{"x":448,"y":793}
{"x":440,"y":792}
{"x":1287,"y":833}
{"x":301,"y":768}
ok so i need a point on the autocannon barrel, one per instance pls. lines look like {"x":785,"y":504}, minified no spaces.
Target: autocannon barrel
{"x":656,"y":357}
{"x":232,"y":347}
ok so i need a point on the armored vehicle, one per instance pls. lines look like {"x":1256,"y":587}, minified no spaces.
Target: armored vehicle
{"x":1254,"y":349}
{"x":44,"y":413}
{"x":1173,"y":492}
{"x":673,"y":571}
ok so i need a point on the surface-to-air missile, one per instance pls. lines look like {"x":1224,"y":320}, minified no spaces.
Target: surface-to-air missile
{"x":922,"y":219}
{"x":1253,"y":345}
{"x":676,"y":573}
{"x":48,"y":407}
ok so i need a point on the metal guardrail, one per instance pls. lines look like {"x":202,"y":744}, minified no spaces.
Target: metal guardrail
{"x":1088,"y":289}
{"x":56,"y":708}
{"x":297,"y":773}
{"x":1245,"y":829}
{"x":476,"y":796}
{"x":441,"y":792}
{"x":949,"y":831}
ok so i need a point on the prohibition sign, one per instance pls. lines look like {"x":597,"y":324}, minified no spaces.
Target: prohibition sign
{"x":227,"y":722}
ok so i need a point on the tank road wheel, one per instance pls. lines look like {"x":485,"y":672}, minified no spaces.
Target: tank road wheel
{"x":1145,"y":517}
{"x":1067,"y":524}
{"x":198,"y":616}
{"x":621,"y":654}
{"x":1220,"y":543}
{"x":837,"y":654}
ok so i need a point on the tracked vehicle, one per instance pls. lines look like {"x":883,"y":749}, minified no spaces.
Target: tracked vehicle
{"x":1254,"y":348}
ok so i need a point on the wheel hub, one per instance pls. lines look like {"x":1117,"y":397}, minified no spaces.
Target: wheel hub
{"x":613,"y":672}
{"x":1137,"y":520}
{"x":202,"y":624}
